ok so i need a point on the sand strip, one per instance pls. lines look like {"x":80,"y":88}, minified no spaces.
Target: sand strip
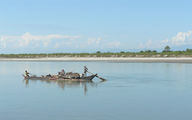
{"x":105,"y":59}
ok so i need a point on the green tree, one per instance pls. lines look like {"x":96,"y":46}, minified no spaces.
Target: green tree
{"x":98,"y":52}
{"x":188,"y":50}
{"x":148,"y":51}
{"x":167,"y":49}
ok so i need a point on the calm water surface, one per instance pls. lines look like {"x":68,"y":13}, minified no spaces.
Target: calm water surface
{"x":134,"y":91}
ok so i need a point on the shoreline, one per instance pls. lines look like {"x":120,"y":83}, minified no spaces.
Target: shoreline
{"x":106,"y":59}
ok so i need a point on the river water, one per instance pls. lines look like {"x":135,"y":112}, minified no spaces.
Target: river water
{"x":133,"y":91}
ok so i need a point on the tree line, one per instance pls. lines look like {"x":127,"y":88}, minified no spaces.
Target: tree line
{"x":166,"y":52}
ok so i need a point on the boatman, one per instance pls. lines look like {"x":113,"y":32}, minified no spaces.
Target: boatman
{"x":26,"y":73}
{"x":85,"y":70}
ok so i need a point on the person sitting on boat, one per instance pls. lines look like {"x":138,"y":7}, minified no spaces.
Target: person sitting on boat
{"x":62,"y":72}
{"x":49,"y":75}
{"x":26,"y":73}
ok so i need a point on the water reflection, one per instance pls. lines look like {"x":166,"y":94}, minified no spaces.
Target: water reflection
{"x":65,"y":84}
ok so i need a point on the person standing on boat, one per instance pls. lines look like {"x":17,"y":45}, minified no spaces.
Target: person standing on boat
{"x":85,"y":70}
{"x":26,"y":73}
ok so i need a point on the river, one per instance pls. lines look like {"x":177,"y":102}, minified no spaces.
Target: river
{"x":133,"y":91}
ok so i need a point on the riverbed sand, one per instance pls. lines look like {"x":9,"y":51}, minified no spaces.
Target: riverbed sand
{"x":106,"y":59}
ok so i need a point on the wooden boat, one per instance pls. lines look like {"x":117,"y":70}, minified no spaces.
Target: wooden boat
{"x":84,"y":78}
{"x":62,"y":76}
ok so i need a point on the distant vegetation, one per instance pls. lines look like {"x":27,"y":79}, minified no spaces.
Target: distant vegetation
{"x":147,"y":53}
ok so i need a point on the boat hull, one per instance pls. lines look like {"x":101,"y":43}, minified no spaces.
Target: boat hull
{"x":87,"y":78}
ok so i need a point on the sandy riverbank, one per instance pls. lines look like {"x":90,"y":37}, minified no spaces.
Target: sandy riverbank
{"x":105,"y":59}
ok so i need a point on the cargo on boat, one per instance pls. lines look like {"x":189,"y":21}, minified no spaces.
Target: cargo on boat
{"x":69,"y":76}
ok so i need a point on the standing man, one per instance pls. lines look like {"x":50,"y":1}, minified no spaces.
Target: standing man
{"x":85,"y":70}
{"x":26,"y":73}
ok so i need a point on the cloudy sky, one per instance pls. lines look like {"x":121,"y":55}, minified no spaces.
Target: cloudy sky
{"x":39,"y":26}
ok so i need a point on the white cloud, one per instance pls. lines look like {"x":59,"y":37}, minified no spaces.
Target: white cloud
{"x":28,"y":42}
{"x":3,"y":42}
{"x":114,"y":44}
{"x":46,"y":43}
{"x":94,"y":41}
{"x":27,"y":39}
{"x":57,"y":45}
{"x":147,"y":45}
{"x":28,"y":36}
{"x":165,"y":41}
{"x":182,"y":38}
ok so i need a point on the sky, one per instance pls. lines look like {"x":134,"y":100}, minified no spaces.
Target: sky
{"x":55,"y":26}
